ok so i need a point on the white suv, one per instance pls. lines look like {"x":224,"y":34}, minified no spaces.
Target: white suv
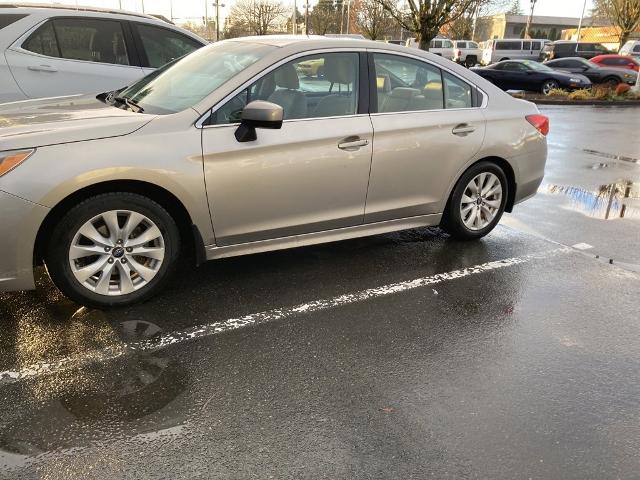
{"x":53,"y":51}
{"x":439,"y":46}
{"x":466,"y":52}
{"x":632,"y":48}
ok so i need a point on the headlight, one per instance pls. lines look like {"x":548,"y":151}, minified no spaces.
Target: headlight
{"x":10,"y":160}
{"x":628,"y":75}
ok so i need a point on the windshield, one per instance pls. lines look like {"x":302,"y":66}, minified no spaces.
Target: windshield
{"x":537,"y":66}
{"x":180,"y":85}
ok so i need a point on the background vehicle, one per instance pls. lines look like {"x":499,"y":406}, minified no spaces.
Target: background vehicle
{"x":594,"y":72}
{"x":566,"y":49}
{"x":466,"y":52}
{"x":56,"y":51}
{"x":632,"y":47}
{"x":531,"y":76}
{"x":511,"y":49}
{"x":438,"y":46}
{"x":617,"y":61}
{"x":135,"y":179}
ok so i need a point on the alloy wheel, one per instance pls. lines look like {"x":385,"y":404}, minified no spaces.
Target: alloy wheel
{"x":116,"y":252}
{"x":481,"y":201}
{"x":548,"y":86}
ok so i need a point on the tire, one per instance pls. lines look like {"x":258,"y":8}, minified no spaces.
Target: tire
{"x":547,"y":86}
{"x":611,"y":82}
{"x":148,"y":264}
{"x":452,"y":219}
{"x":470,"y":61}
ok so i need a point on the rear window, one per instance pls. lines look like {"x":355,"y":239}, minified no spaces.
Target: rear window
{"x":636,"y":49}
{"x":7,"y":19}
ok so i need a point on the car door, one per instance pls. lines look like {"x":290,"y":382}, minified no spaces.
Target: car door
{"x":426,"y":129}
{"x":516,"y":77}
{"x":160,"y":45}
{"x":312,"y":174}
{"x":70,"y":55}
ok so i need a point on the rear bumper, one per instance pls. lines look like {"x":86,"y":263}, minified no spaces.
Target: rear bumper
{"x":530,"y":168}
{"x":19,"y":221}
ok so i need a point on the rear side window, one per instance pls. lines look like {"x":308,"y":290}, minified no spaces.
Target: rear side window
{"x":162,"y":45}
{"x":473,"y":45}
{"x":508,"y":45}
{"x":586,"y":47}
{"x":461,"y":44}
{"x":636,"y":49}
{"x":85,"y":39}
{"x":536,"y":46}
{"x":9,"y":18}
{"x":457,"y":94}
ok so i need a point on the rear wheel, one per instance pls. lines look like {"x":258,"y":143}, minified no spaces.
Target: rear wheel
{"x":470,"y":61}
{"x":112,"y":250}
{"x":548,"y":85}
{"x":476,"y":203}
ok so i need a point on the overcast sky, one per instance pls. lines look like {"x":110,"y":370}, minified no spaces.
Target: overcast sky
{"x":184,"y":10}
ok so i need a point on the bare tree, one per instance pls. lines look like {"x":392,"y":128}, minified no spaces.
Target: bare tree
{"x":257,"y":17}
{"x":425,"y":18}
{"x":324,"y":17}
{"x":625,"y":14}
{"x":373,"y":20}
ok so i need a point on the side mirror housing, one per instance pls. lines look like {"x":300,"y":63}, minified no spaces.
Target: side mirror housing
{"x":258,"y":114}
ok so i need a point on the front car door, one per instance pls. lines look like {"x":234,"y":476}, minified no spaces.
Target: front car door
{"x":426,"y":128}
{"x":309,"y":176}
{"x":70,"y":55}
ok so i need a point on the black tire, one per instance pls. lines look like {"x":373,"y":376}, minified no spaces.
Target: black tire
{"x":611,"y":82}
{"x":548,"y":85}
{"x":57,"y":249}
{"x":451,"y":219}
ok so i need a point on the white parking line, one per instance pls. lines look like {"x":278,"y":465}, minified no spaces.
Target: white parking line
{"x":215,"y":328}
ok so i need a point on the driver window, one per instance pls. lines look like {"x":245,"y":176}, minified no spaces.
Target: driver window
{"x":316,"y":86}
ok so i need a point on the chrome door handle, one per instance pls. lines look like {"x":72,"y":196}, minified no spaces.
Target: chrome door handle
{"x":463,"y":129}
{"x":353,"y":143}
{"x":42,"y":68}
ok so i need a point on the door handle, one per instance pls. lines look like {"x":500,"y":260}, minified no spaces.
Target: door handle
{"x":463,"y":129}
{"x":42,"y":68}
{"x":352,"y":143}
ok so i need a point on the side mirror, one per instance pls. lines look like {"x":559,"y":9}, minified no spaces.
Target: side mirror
{"x":258,"y":114}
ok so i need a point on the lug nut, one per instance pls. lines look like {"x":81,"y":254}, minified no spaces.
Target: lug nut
{"x":129,"y":249}
{"x":110,"y":260}
{"x":123,"y":260}
{"x":119,"y":242}
{"x":107,"y":249}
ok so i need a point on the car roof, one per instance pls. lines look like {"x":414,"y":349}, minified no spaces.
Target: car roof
{"x":308,"y":42}
{"x":38,"y":7}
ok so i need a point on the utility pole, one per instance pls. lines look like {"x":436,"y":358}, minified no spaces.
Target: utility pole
{"x":218,"y":5}
{"x":306,"y":19}
{"x":348,"y":14}
{"x":206,"y":21}
{"x":294,"y":30}
{"x":584,"y":6}
{"x":171,"y":10}
{"x":142,"y":6}
{"x":342,"y":17}
{"x":529,"y":20}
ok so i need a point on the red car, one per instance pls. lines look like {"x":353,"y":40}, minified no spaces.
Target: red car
{"x":617,"y":61}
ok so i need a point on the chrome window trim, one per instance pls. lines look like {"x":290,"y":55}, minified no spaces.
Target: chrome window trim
{"x":485,"y":97}
{"x":204,"y":117}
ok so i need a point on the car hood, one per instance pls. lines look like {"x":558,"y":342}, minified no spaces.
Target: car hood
{"x":559,"y":72}
{"x":52,"y":121}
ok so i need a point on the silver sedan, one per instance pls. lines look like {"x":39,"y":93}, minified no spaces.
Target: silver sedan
{"x":251,"y":145}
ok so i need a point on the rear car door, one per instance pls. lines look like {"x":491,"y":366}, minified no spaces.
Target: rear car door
{"x":312,"y":174}
{"x":70,"y":55}
{"x":427,"y":127}
{"x":160,"y":45}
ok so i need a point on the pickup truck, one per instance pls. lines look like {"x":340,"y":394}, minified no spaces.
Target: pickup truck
{"x":466,"y":52}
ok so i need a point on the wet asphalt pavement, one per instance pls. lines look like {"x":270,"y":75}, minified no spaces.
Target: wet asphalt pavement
{"x":356,"y":359}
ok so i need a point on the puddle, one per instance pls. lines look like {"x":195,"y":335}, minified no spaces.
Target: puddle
{"x":622,"y":158}
{"x":608,"y":202}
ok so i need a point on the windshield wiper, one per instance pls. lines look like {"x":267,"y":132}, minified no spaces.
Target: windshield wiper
{"x":132,"y":104}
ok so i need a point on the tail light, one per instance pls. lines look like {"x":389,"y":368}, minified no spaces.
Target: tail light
{"x":540,"y":122}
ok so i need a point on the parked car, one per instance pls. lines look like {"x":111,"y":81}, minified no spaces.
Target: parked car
{"x":631,"y":47}
{"x":466,"y":52}
{"x":626,"y":62}
{"x":52,"y":51}
{"x":530,"y":76}
{"x":438,"y":46}
{"x":230,"y":151}
{"x":511,"y":49}
{"x":595,"y":73}
{"x":566,"y":49}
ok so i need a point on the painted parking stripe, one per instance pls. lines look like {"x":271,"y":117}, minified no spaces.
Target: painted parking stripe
{"x":259,"y":318}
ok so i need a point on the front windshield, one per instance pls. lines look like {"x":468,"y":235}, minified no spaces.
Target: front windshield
{"x":539,"y":67}
{"x":180,"y":85}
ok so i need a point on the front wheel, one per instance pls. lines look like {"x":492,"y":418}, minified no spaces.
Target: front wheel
{"x":611,"y":82}
{"x":549,"y":85}
{"x":113,"y":250}
{"x":476,"y":203}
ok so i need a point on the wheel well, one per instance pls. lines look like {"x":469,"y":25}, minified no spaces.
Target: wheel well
{"x":508,"y":171}
{"x":189,"y":234}
{"x":503,"y":59}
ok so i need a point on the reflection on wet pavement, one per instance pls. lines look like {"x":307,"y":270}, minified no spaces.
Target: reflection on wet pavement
{"x":612,"y":156}
{"x":122,"y":394}
{"x":615,"y":200}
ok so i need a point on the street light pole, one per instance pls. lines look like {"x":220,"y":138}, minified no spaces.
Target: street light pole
{"x":306,"y":18}
{"x":584,"y":6}
{"x":218,"y":5}
{"x":530,"y":19}
{"x":348,"y":14}
{"x":294,"y":29}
